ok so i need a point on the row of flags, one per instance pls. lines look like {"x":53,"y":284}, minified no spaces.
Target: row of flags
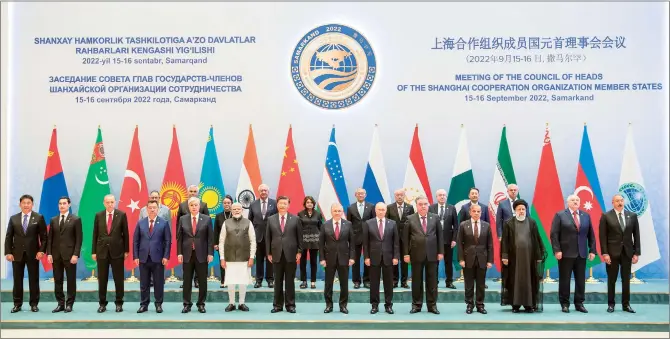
{"x":546,"y":202}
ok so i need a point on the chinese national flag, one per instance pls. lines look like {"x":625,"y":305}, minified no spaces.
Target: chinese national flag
{"x":173,"y":192}
{"x":134,"y":194}
{"x":290,"y":181}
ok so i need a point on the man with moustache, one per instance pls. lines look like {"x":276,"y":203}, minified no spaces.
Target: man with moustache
{"x":183,"y":210}
{"x":259,"y":212}
{"x":381,"y":250}
{"x":358,"y":213}
{"x":336,"y":250}
{"x":475,"y":255}
{"x":398,"y":212}
{"x":63,"y":250}
{"x":449,"y":226}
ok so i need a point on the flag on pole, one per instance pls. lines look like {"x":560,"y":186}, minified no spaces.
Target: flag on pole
{"x":290,"y":181}
{"x":462,"y":180}
{"x":211,"y":185}
{"x":95,"y":189}
{"x":134,"y":194}
{"x":631,"y":186}
{"x":548,"y":197}
{"x":250,"y":175}
{"x":375,"y":183}
{"x":587,"y":188}
{"x":173,"y":192}
{"x":503,"y":175}
{"x":416,"y":177}
{"x":333,"y":186}
{"x":53,"y":188}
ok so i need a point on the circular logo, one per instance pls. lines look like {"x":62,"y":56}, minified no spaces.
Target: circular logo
{"x":635,"y":198}
{"x":245,"y":198}
{"x":333,"y":66}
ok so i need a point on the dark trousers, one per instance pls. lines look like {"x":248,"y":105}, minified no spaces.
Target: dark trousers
{"x":156,"y":271}
{"x":313,"y":260}
{"x":223,"y":275}
{"x":400,"y":271}
{"x":193,"y":266}
{"x":356,"y":268}
{"x":566,"y":267}
{"x":386,"y":272}
{"x":343,"y":276}
{"x":430,"y":268}
{"x":612,"y":272}
{"x":103,"y":278}
{"x":263,"y":264}
{"x":448,"y":264}
{"x":285,"y":273}
{"x":475,"y":276}
{"x":33,"y":280}
{"x":62,"y":267}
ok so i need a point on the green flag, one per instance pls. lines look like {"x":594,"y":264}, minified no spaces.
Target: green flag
{"x":95,"y":189}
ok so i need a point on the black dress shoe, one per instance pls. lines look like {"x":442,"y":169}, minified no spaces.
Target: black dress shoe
{"x":142,"y":309}
{"x":159,"y":309}
{"x":610,"y":308}
{"x":257,"y":285}
{"x":271,"y":284}
{"x":434,"y":311}
{"x":34,"y":309}
{"x":59,"y":308}
{"x":102,"y":309}
{"x":243,"y":308}
{"x":290,"y":309}
{"x":581,"y":308}
{"x":357,"y":285}
{"x":515,"y":310}
{"x":68,"y":308}
{"x":565,"y":309}
{"x":186,"y":309}
{"x":404,"y":285}
{"x":481,"y":310}
{"x":366,"y":285}
{"x":529,"y":310}
{"x":389,"y":310}
{"x":181,"y":286}
{"x":468,"y":310}
{"x":328,"y":309}
{"x":486,"y":286}
{"x":230,"y":308}
{"x":395,"y":285}
{"x":119,"y":308}
{"x":201,"y":309}
{"x":303,"y":285}
{"x":197,"y":285}
{"x":415,"y":310}
{"x":275,"y":310}
{"x":374,"y":310}
{"x":16,"y":309}
{"x":451,"y":286}
{"x":628,"y":309}
{"x":344,"y":310}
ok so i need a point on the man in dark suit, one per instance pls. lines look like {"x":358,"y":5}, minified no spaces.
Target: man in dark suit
{"x":398,"y":212}
{"x":185,"y":210}
{"x":620,"y":245}
{"x":283,"y":245}
{"x":449,"y":226}
{"x":424,"y":249}
{"x":475,"y":254}
{"x":358,"y":213}
{"x":259,"y":212}
{"x":336,"y":250}
{"x":151,"y":251}
{"x":25,"y":244}
{"x":505,"y":210}
{"x":63,"y":250}
{"x":571,"y":233}
{"x":464,"y":213}
{"x":381,"y":250}
{"x":110,"y":248}
{"x":195,"y":249}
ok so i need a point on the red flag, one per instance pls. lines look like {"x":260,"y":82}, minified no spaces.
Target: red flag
{"x":290,"y":181}
{"x":134,"y":194}
{"x":173,"y":192}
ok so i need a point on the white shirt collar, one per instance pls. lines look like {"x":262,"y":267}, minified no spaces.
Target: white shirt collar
{"x":66,"y":214}
{"x":282,"y":215}
{"x":23,"y":214}
{"x":197,"y":216}
{"x":337,"y":221}
{"x":479,"y":222}
{"x":383,"y":220}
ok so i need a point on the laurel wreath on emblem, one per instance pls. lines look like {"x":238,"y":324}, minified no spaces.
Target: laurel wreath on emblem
{"x":101,"y":149}
{"x":245,"y":198}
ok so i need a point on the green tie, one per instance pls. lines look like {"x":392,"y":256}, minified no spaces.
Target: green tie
{"x":360,"y":209}
{"x":623,"y":226}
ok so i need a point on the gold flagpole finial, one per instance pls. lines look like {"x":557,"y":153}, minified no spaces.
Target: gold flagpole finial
{"x":546,"y":124}
{"x":462,"y":125}
{"x":376,"y":125}
{"x":54,"y":126}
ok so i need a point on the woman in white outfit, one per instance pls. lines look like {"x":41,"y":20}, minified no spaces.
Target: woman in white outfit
{"x":237,"y":248}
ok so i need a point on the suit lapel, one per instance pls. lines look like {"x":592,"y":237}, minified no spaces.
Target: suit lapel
{"x":146,"y":228}
{"x":18,"y":220}
{"x":66,"y":223}
{"x":386,"y":230}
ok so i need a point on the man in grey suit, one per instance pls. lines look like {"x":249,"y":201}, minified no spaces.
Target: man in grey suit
{"x":283,"y":245}
{"x":449,"y":226}
{"x":195,"y":250}
{"x":505,"y":210}
{"x":163,"y":211}
{"x":358,"y":213}
{"x":424,"y":248}
{"x":475,"y":254}
{"x":381,"y":250}
{"x":259,"y":212}
{"x":336,"y":251}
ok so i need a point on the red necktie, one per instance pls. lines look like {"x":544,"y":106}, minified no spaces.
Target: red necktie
{"x":194,"y":227}
{"x":576,"y":219}
{"x":282,"y":224}
{"x":476,"y":233}
{"x":109,"y":223}
{"x":381,"y":229}
{"x":151,"y":226}
{"x":423,"y":224}
{"x":337,"y":230}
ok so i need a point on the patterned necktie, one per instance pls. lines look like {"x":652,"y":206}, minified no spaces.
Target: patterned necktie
{"x":263,"y":209}
{"x":282,"y":224}
{"x":576,"y":219}
{"x":621,"y":223}
{"x":381,"y":229}
{"x":337,"y":230}
{"x":476,"y":233}
{"x":151,"y":226}
{"x":194,"y":228}
{"x":25,"y":223}
{"x":442,"y":212}
{"x":109,"y":223}
{"x":423,"y":224}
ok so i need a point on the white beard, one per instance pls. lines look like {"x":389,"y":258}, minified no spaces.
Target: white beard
{"x":521,"y":218}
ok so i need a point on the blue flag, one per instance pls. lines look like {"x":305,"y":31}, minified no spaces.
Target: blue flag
{"x":211,"y":186}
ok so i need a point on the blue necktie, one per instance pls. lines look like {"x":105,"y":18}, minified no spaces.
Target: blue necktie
{"x":25,"y":223}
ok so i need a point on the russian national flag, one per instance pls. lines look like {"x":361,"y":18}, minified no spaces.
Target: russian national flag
{"x":375,"y":183}
{"x":53,"y":188}
{"x":333,"y":187}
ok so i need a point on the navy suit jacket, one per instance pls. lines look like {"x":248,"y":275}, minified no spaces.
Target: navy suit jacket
{"x":155,"y":245}
{"x":503,"y":214}
{"x":464,"y":213}
{"x":565,"y":237}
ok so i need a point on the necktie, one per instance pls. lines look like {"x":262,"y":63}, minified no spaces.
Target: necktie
{"x":25,"y":223}
{"x":360,"y":210}
{"x":263,"y":209}
{"x":423,"y":224}
{"x":381,"y":229}
{"x":61,"y":224}
{"x":442,"y":212}
{"x":282,"y":224}
{"x":337,"y":230}
{"x":109,"y":223}
{"x":574,"y":216}
{"x":621,"y":223}
{"x":476,"y":233}
{"x":400,"y":212}
{"x":194,"y":228}
{"x":151,"y":226}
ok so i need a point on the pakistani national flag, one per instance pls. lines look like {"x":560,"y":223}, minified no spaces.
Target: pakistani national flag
{"x":95,"y":189}
{"x":462,"y":181}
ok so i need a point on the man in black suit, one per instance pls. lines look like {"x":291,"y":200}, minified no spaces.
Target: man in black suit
{"x":25,"y":244}
{"x":336,"y":250}
{"x":195,"y":250}
{"x":358,"y":213}
{"x":505,"y":208}
{"x":424,"y":248}
{"x":449,"y":226}
{"x":398,"y":212}
{"x":381,"y":250}
{"x":571,"y":230}
{"x":185,"y":210}
{"x":63,"y":250}
{"x":110,"y":248}
{"x":464,"y":213}
{"x":620,"y":245}
{"x":283,"y":245}
{"x":475,"y":254}
{"x":259,"y":212}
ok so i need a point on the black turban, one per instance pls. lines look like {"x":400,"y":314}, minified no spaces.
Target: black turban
{"x":520,"y":202}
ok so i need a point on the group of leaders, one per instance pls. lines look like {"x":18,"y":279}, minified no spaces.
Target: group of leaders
{"x":391,"y":237}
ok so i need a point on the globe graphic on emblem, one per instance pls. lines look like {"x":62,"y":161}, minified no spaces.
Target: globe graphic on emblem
{"x":635,"y":198}
{"x":333,"y":67}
